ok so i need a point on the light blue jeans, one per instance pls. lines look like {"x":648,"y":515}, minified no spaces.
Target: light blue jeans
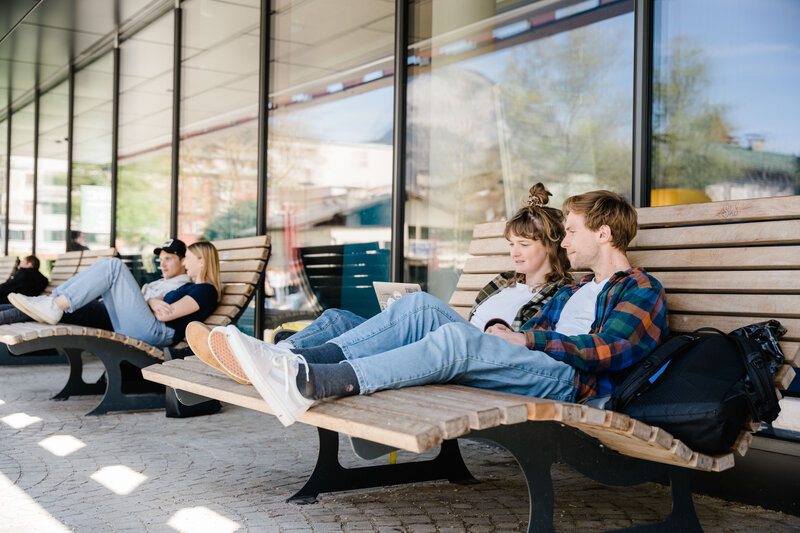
{"x":420,"y":340}
{"x":127,"y":308}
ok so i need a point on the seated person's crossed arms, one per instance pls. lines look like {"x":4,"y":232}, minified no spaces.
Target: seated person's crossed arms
{"x":572,"y":350}
{"x":156,"y":314}
{"x":26,"y":280}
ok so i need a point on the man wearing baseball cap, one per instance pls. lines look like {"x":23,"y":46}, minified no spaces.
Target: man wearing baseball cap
{"x":94,"y":315}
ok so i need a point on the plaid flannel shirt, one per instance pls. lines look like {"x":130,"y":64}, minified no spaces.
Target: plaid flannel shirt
{"x":631,"y":320}
{"x":527,"y":311}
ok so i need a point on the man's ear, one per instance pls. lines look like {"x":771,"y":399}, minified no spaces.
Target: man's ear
{"x":604,"y":233}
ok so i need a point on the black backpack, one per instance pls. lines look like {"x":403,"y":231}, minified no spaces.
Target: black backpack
{"x":701,"y":388}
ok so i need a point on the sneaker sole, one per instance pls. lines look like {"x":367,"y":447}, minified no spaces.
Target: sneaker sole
{"x":224,"y":356}
{"x":22,"y":305}
{"x":274,"y":399}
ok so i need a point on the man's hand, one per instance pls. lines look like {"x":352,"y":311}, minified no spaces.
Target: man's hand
{"x":160,"y":308}
{"x":514,"y":337}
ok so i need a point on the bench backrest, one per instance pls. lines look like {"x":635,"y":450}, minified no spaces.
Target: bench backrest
{"x":7,"y":266}
{"x":242,"y":263}
{"x":64,"y":267}
{"x":90,"y":257}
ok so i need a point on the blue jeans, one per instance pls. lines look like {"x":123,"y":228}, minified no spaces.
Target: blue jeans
{"x":420,"y":340}
{"x":129,"y":313}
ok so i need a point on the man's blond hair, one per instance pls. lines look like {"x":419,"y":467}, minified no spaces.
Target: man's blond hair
{"x":605,"y":208}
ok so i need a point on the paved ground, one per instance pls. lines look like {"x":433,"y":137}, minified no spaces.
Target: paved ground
{"x":61,"y":471}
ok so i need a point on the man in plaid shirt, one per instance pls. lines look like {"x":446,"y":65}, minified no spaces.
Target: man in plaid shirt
{"x":571,"y":350}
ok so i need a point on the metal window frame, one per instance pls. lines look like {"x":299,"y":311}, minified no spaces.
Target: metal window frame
{"x":8,"y":173}
{"x":70,"y":128}
{"x":399,"y":139}
{"x":641,"y":182}
{"x":263,"y":139}
{"x":177,"y":43}
{"x":36,"y":97}
{"x":114,"y":144}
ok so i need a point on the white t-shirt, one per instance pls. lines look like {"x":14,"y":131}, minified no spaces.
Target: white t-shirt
{"x":578,"y":315}
{"x":160,"y":287}
{"x":504,"y":304}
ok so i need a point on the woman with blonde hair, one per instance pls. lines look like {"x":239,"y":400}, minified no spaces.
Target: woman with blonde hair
{"x":158,"y":321}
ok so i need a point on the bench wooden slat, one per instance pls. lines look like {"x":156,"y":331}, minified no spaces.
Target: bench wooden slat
{"x":236,"y":300}
{"x":754,"y":257}
{"x":239,"y":277}
{"x":404,"y":433}
{"x":743,"y":281}
{"x":245,"y":253}
{"x":778,"y":305}
{"x":241,"y":266}
{"x":727,"y":211}
{"x":761,"y":233}
{"x":242,"y":242}
{"x":488,"y":230}
{"x":235,"y":288}
{"x":489,"y":264}
{"x":684,"y":323}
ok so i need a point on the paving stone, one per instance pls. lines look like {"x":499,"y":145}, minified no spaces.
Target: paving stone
{"x":235,"y":469}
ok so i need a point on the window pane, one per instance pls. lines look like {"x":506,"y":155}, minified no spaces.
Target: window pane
{"x":219,"y":115}
{"x":51,"y":208}
{"x":726,"y":112}
{"x":502,"y":95}
{"x":20,"y":229}
{"x":3,"y":160}
{"x":91,"y":155}
{"x":330,"y":155}
{"x":145,"y":139}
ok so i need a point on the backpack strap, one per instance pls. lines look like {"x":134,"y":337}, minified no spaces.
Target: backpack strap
{"x":758,"y":387}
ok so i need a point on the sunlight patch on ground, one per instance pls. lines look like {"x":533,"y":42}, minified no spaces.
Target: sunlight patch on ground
{"x":61,"y":445}
{"x":20,"y":512}
{"x":2,"y":402}
{"x":201,"y":520}
{"x":119,"y":479}
{"x":20,"y":420}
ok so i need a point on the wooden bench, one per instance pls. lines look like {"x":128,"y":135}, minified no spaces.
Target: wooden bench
{"x":242,"y":265}
{"x":8,"y":265}
{"x":723,"y":264}
{"x":64,"y":267}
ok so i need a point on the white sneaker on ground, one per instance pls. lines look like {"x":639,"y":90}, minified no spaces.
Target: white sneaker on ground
{"x":273,"y":372}
{"x":40,"y":308}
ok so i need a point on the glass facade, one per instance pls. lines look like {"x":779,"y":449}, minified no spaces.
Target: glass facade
{"x":51,"y":206}
{"x":20,"y":212}
{"x":91,"y":155}
{"x":502,"y":95}
{"x":219,"y":120}
{"x":145,"y":139}
{"x":330,"y":154}
{"x":726,"y":116}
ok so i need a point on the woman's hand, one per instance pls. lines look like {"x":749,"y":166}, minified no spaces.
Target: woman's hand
{"x":185,"y":306}
{"x":159,"y":307}
{"x":514,"y":337}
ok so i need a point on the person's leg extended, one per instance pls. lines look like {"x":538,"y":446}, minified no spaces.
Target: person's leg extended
{"x":457,"y":353}
{"x":329,"y":325}
{"x":407,"y":320}
{"x":129,"y":313}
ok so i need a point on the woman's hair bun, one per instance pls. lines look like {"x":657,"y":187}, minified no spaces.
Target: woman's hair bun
{"x":538,"y":195}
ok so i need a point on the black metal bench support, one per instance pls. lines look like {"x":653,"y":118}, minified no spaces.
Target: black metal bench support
{"x":125,"y":390}
{"x":330,"y":476}
{"x":47,"y":357}
{"x":537,"y":445}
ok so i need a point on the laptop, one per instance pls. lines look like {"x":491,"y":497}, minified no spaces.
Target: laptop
{"x":387,"y":292}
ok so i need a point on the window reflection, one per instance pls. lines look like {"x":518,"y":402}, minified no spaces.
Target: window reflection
{"x":51,"y":208}
{"x":725,"y":109}
{"x":219,"y":113}
{"x":145,"y":139}
{"x":91,"y":155}
{"x":330,"y":156}
{"x":502,"y":95}
{"x":3,"y":162}
{"x":20,"y":227}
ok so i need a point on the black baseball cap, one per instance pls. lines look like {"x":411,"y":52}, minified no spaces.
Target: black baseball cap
{"x":172,"y":246}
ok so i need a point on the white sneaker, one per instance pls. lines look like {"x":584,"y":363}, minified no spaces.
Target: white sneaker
{"x":40,"y":308}
{"x":273,"y":373}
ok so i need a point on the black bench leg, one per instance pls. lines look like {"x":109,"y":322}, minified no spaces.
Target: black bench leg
{"x":75,"y":385}
{"x":330,"y":476}
{"x":126,"y":391}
